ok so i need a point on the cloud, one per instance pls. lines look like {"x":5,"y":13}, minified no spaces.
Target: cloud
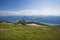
{"x":7,"y":13}
{"x":45,"y":12}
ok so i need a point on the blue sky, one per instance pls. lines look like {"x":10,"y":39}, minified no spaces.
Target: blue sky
{"x":41,"y":7}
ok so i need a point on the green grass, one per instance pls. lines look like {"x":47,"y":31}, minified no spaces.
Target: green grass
{"x":25,"y":32}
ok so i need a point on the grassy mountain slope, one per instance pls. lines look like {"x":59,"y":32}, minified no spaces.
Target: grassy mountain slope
{"x":27,"y":32}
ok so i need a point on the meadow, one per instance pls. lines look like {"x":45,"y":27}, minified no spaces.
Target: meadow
{"x":27,"y":32}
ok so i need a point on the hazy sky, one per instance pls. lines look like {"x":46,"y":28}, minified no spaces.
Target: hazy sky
{"x":29,"y":7}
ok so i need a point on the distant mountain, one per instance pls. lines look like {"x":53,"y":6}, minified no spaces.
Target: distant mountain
{"x":43,"y":19}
